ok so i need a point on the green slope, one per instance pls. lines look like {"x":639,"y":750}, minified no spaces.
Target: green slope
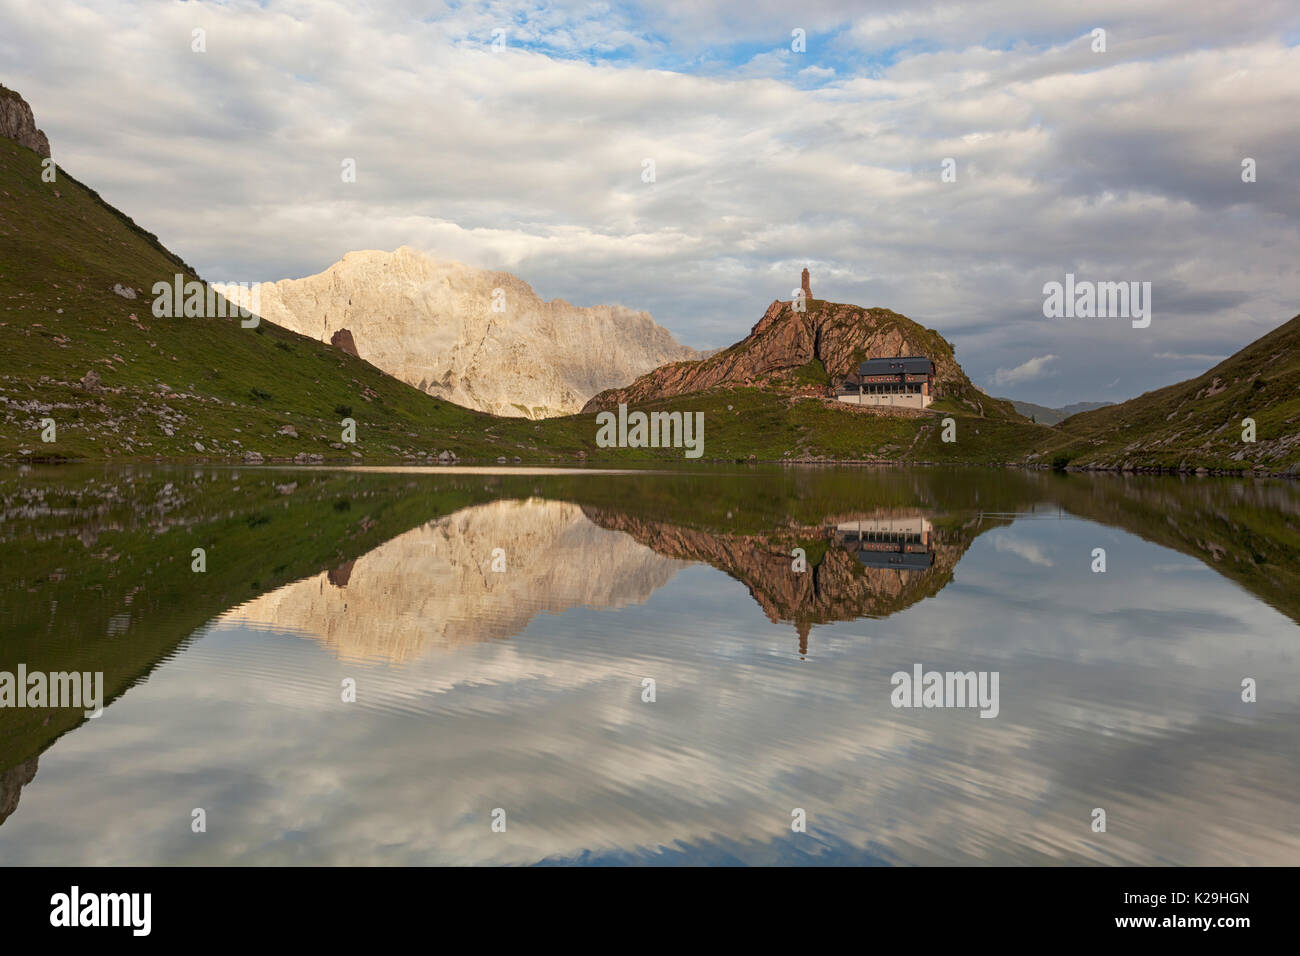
{"x":62,"y":250}
{"x":1198,"y":423}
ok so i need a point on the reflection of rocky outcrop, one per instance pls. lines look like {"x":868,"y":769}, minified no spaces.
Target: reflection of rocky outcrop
{"x":435,"y":585}
{"x":12,"y":782}
{"x":837,"y":585}
{"x":340,"y":576}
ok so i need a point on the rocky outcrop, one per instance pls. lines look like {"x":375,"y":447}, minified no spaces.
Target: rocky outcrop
{"x":786,"y":346}
{"x":481,"y":339}
{"x":342,"y":339}
{"x":19,"y":124}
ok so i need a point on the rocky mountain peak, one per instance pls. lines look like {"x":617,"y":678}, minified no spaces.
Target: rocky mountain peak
{"x":480,"y":338}
{"x":820,"y":344}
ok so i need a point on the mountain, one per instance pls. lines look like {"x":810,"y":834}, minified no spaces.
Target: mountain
{"x":481,"y":339}
{"x":1078,"y":407}
{"x":1052,"y":416}
{"x":807,"y":351}
{"x":79,"y":345}
{"x":1198,"y":424}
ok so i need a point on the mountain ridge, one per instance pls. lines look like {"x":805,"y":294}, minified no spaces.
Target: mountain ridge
{"x":482,"y":339}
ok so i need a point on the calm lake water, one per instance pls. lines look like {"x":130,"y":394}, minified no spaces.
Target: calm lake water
{"x":501,"y":631}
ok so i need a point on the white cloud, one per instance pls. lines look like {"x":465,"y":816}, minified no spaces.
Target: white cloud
{"x":1025,"y":372}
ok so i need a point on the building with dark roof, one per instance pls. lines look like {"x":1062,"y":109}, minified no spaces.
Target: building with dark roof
{"x":906,"y":381}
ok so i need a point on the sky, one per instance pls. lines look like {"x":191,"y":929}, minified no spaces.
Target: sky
{"x":516,"y":135}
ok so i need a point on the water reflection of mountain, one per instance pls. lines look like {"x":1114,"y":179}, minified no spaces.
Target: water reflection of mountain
{"x":434,"y":587}
{"x":858,"y":565}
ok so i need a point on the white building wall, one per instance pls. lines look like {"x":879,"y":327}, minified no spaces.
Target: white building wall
{"x":905,"y":400}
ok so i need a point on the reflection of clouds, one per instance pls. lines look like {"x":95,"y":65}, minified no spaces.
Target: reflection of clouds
{"x":1011,"y":544}
{"x":1142,"y":719}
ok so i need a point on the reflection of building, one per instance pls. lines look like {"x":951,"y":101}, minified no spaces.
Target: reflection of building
{"x":904,"y":382}
{"x":903,"y":543}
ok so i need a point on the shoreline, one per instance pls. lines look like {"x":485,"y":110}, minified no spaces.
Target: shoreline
{"x":595,"y":467}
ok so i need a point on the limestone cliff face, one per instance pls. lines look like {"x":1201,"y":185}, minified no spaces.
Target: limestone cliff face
{"x":785,"y":341}
{"x":480,"y":339}
{"x":18,"y":123}
{"x":434,"y":586}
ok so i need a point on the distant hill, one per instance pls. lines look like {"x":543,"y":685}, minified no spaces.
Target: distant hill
{"x":1052,"y":416}
{"x":1199,"y":423}
{"x":788,"y":350}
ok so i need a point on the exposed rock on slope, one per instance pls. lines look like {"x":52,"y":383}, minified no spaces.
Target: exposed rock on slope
{"x":431,"y":323}
{"x":18,"y":124}
{"x":822,"y":345}
{"x":342,"y":339}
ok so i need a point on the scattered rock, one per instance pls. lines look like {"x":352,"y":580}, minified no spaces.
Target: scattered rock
{"x":252,"y":458}
{"x":91,"y":380}
{"x":287,"y":489}
{"x":125,"y":292}
{"x":198,"y":446}
{"x":287,"y":430}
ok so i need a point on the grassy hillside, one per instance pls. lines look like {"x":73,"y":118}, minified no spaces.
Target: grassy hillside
{"x":62,"y":250}
{"x":1198,"y":423}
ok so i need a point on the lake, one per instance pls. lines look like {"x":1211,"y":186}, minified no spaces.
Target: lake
{"x":394,"y":666}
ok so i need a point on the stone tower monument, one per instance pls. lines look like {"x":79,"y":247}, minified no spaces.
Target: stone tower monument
{"x":807,"y":289}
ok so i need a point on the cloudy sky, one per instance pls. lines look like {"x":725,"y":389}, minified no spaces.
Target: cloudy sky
{"x":1115,"y":165}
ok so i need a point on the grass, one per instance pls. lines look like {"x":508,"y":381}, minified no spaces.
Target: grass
{"x":1199,"y":423}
